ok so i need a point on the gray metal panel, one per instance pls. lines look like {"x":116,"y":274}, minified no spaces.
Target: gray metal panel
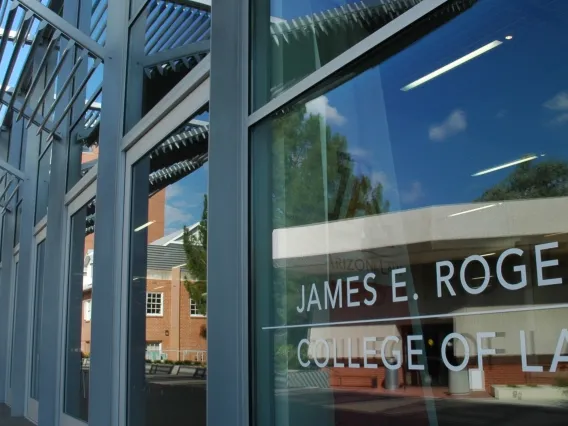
{"x":227,"y":290}
{"x":50,"y":353}
{"x":105,"y":332}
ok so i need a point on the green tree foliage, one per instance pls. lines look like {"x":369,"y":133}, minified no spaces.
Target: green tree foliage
{"x":195,"y":246}
{"x":540,"y":180}
{"x":313,"y":174}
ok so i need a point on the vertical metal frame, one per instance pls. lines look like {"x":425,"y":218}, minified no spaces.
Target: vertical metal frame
{"x":228,"y":378}
{"x":78,"y":203}
{"x":24,"y":285}
{"x":51,"y":334}
{"x":147,"y":137}
{"x":6,"y":285}
{"x":32,"y":406}
{"x":15,"y":259}
{"x":105,"y":399}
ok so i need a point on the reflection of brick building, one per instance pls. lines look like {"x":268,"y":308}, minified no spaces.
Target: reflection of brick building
{"x":172,"y":331}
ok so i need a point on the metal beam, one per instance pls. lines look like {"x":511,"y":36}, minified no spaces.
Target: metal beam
{"x":6,"y":99}
{"x":65,"y":27}
{"x":159,"y":58}
{"x":11,"y":169}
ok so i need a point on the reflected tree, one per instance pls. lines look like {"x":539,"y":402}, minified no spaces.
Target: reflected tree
{"x":195,"y":247}
{"x":541,"y":180}
{"x":313,"y":174}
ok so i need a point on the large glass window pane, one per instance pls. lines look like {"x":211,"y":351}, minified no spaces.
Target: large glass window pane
{"x":167,"y":341}
{"x":42,"y":191}
{"x":293,"y":38}
{"x":409,"y":230}
{"x":78,"y":334}
{"x":167,"y":40}
{"x":37,"y":320}
{"x":13,"y":323}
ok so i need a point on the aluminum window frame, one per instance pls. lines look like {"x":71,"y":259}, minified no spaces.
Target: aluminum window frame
{"x":40,"y":236}
{"x":184,"y":101}
{"x":11,"y":326}
{"x":72,"y":208}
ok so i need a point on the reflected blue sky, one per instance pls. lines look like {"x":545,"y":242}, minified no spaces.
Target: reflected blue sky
{"x":424,"y":144}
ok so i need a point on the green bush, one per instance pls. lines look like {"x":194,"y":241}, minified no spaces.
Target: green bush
{"x":561,"y":382}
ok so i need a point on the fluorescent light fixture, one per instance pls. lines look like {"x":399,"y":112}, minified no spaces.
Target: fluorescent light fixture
{"x":509,"y":37}
{"x":487,"y":254}
{"x":452,"y":65}
{"x":474,"y":210}
{"x":556,"y":233}
{"x":141,"y":227}
{"x":504,"y":166}
{"x":482,"y":278}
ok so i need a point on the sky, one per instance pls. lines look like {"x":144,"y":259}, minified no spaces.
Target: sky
{"x":425,"y":144}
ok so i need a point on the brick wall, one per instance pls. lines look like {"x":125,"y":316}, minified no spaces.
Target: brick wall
{"x":163,"y":328}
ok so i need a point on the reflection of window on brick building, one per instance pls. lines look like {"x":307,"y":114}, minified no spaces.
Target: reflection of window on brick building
{"x":154,"y":304}
{"x":87,"y":310}
{"x":194,"y":310}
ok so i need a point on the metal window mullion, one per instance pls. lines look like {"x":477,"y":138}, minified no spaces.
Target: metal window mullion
{"x":350,"y":55}
{"x":228,"y":380}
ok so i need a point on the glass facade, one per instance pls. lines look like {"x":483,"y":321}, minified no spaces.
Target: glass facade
{"x":413,"y":230}
{"x":386,"y":184}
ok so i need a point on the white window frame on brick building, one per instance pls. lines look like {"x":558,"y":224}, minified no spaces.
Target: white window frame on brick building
{"x":87,"y":306}
{"x":154,"y":304}
{"x":193,"y":309}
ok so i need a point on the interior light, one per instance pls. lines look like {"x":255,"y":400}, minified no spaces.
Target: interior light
{"x":487,"y":254}
{"x":556,"y":233}
{"x":504,"y":166}
{"x":482,"y":278}
{"x":452,"y":65}
{"x":474,"y":210}
{"x":141,"y":227}
{"x":509,"y":37}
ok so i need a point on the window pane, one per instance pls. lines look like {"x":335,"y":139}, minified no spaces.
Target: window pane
{"x":79,"y":290}
{"x":293,"y":38}
{"x":409,"y":230}
{"x":42,"y":192}
{"x":168,"y":268}
{"x":167,"y":40}
{"x":13,"y":324}
{"x":37,"y":321}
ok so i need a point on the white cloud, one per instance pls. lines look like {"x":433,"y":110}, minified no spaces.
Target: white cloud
{"x":454,"y":124}
{"x":501,"y":114}
{"x":558,"y":103}
{"x":173,"y":191}
{"x":560,"y":119}
{"x":382,"y":178}
{"x":413,"y":194}
{"x":176,"y":217}
{"x":321,"y":106}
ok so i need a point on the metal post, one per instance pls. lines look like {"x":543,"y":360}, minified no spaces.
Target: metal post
{"x":227,"y":290}
{"x":104,"y":403}
{"x":51,"y":333}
